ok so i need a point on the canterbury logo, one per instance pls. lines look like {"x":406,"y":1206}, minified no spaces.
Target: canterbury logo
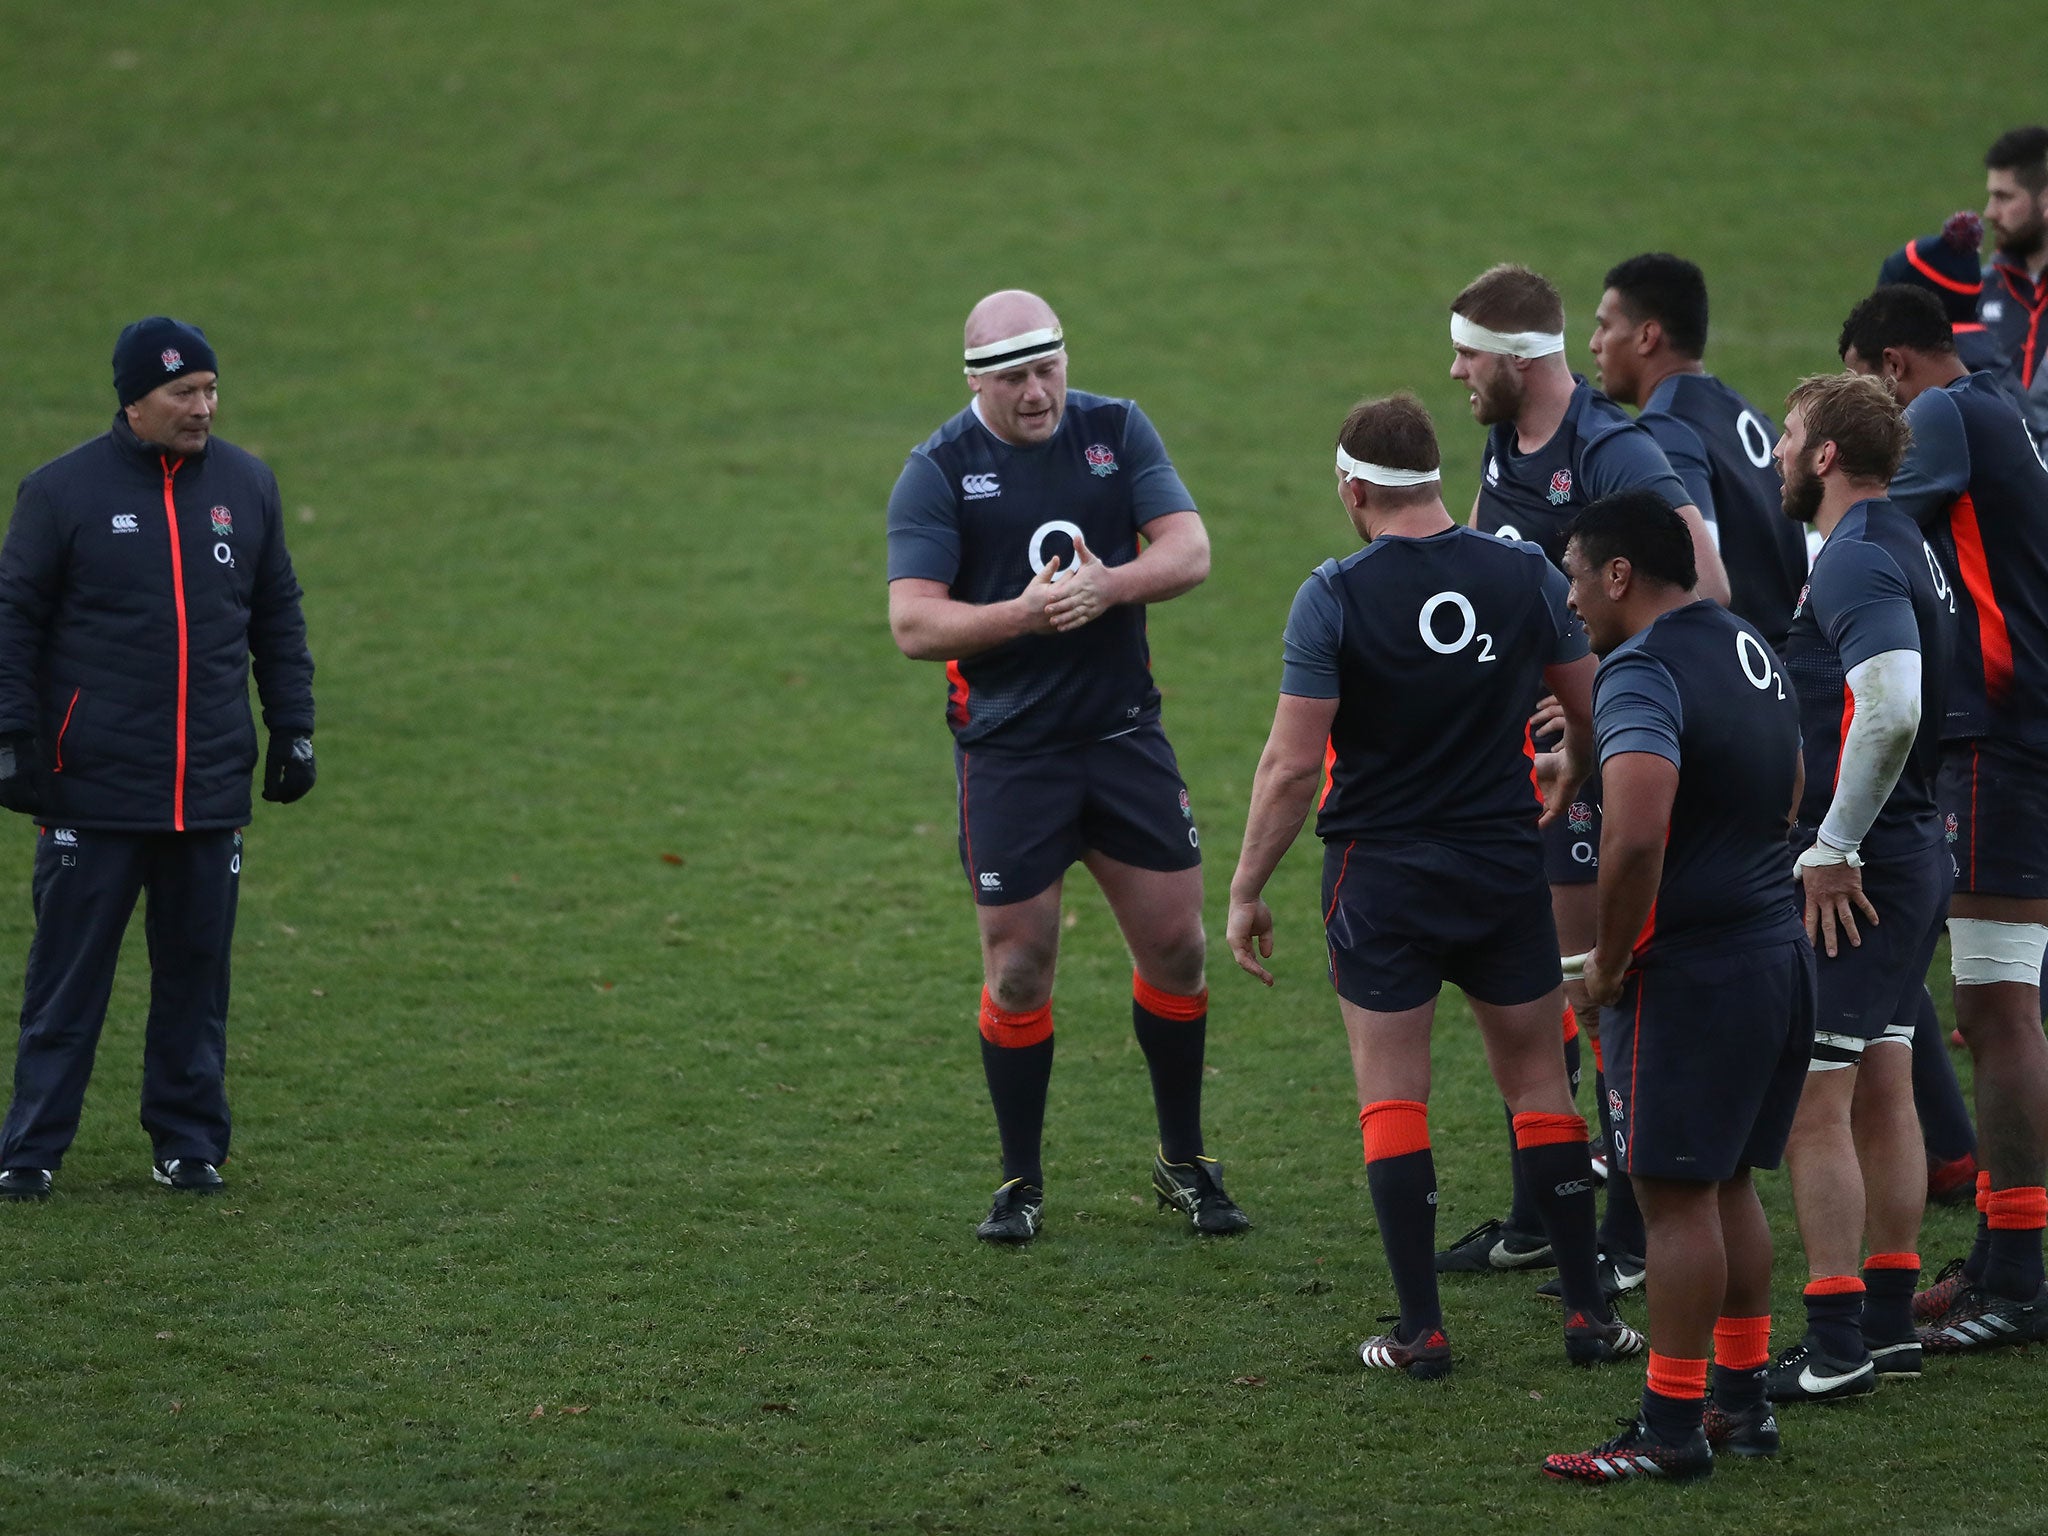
{"x":124,"y":522}
{"x":991,"y":882}
{"x":979,"y":487}
{"x":1576,"y":1187}
{"x":66,"y":836}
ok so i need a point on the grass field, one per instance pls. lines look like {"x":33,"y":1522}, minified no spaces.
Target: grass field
{"x":610,"y":1121}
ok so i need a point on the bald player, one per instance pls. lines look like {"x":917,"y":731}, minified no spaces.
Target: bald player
{"x":1554,"y":446}
{"x":1026,"y":537}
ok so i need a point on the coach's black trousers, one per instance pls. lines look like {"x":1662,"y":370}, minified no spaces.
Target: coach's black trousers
{"x":85,"y":888}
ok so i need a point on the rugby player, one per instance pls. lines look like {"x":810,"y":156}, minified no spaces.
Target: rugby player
{"x":1649,"y":335}
{"x":1868,"y":656}
{"x":1702,"y":970}
{"x":1554,"y":445}
{"x":2015,"y":294}
{"x":1412,"y":661}
{"x":1026,"y":537}
{"x":1972,"y":481}
{"x":1945,"y":264}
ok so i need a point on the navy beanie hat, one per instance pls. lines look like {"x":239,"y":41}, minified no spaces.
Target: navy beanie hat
{"x":155,"y":351}
{"x":1946,"y":264}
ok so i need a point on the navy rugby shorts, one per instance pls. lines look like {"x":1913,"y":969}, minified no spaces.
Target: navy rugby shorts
{"x":1872,"y":989}
{"x":1401,"y":919}
{"x":1025,"y":819}
{"x":1706,"y":1058}
{"x":1994,"y":800}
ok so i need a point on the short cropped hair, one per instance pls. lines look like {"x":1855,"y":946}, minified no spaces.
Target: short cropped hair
{"x":2024,"y":152}
{"x":1860,"y":415}
{"x":1395,"y":431}
{"x":1511,"y":298}
{"x":1897,"y":315}
{"x":1669,"y":290}
{"x":1644,"y":529}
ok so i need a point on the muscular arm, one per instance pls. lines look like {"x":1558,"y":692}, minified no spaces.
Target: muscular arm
{"x":1283,"y":792}
{"x":1175,"y":559}
{"x":1636,"y":794}
{"x":930,"y":624}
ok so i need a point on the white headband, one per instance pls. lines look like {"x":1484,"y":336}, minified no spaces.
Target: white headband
{"x":1466,"y":333}
{"x":1379,"y":474}
{"x":1014,"y":350}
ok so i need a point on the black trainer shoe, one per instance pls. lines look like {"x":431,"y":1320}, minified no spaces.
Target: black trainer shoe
{"x":188,"y":1176}
{"x":1591,"y":1342}
{"x":1750,"y":1433}
{"x":1014,"y":1216}
{"x":25,"y":1184}
{"x":1493,"y":1247}
{"x":1617,"y":1278}
{"x":1806,"y":1374}
{"x":1979,"y":1320}
{"x":1196,"y":1189}
{"x":1931,"y":1306}
{"x":1899,"y":1359}
{"x":1633,"y":1454}
{"x":1427,"y":1358}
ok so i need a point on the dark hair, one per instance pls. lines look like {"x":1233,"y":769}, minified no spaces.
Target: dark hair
{"x":1642,"y":528}
{"x":1396,"y":432}
{"x":1897,"y":315}
{"x":2024,"y":152}
{"x":1669,"y":290}
{"x":1858,"y":414}
{"x":1511,"y":298}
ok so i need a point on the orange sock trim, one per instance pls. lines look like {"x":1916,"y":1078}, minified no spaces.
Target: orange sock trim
{"x":1892,"y":1261}
{"x":1571,"y":1024}
{"x":1835,"y":1285}
{"x":1014,"y":1031}
{"x":1983,"y":1188}
{"x":1671,"y":1377}
{"x":1394,"y":1128}
{"x":1182,"y":1010}
{"x":1545,"y":1130}
{"x":2017,"y":1210}
{"x":1742,"y":1343}
{"x":1598,"y":1064}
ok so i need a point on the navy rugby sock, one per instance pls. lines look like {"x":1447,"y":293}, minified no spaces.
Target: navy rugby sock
{"x":1834,"y":1315}
{"x":1173,"y":1033}
{"x":1888,"y":1282}
{"x":1402,"y":1176}
{"x":1551,"y":1152}
{"x":1016,"y":1058}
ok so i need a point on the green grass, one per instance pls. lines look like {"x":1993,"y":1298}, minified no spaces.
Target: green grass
{"x":581,"y":1190}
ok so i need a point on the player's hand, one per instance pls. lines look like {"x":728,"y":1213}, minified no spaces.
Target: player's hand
{"x":21,"y":787}
{"x":1603,"y":977}
{"x":1560,"y":778}
{"x":1834,"y":895}
{"x":1036,"y":595}
{"x":1250,"y":927}
{"x":288,"y":768}
{"x":1548,"y":720}
{"x":1084,"y":594}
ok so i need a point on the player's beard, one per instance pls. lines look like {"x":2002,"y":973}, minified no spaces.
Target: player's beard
{"x":2023,"y":245}
{"x":1499,"y":399}
{"x":1803,"y":493}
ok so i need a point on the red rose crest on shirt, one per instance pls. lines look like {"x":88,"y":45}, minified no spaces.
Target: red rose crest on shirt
{"x":1100,"y":460}
{"x":1560,"y":487}
{"x":223,"y":522}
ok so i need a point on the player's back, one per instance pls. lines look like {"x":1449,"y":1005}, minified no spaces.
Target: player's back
{"x":1763,"y":549}
{"x":1444,"y":642}
{"x":1973,"y":482}
{"x":1708,"y":683}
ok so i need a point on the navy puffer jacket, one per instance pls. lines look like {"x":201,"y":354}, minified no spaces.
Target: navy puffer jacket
{"x":136,"y":588}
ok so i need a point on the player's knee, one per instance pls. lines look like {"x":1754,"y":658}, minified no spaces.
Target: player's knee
{"x":1020,"y":978}
{"x":1176,"y":965}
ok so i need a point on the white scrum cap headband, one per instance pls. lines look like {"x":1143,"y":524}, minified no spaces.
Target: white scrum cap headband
{"x":1468,"y":333}
{"x":1012,"y":351}
{"x":1380,"y":474}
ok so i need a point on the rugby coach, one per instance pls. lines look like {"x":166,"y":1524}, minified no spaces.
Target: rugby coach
{"x":141,"y":576}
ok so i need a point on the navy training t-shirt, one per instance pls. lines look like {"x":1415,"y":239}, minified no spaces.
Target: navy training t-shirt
{"x":1872,"y":590}
{"x":1703,"y":690}
{"x":1433,"y":648}
{"x":983,"y":516}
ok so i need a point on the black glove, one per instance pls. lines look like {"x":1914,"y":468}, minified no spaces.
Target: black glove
{"x":21,"y":778}
{"x":288,"y":770}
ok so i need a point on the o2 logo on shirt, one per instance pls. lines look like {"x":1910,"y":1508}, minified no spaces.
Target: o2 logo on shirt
{"x":1756,"y":442}
{"x":1942,"y":589}
{"x":1037,"y":555}
{"x":1747,"y":645}
{"x":1468,"y":630}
